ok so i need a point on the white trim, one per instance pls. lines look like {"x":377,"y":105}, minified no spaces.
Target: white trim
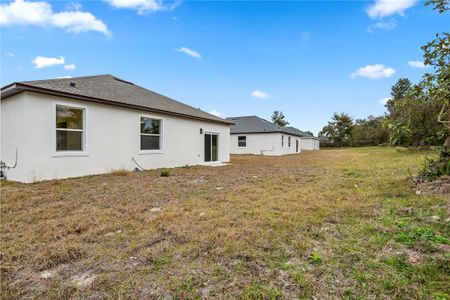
{"x":84,"y":131}
{"x":161,"y":136}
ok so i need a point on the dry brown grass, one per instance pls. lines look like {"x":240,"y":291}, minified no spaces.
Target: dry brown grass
{"x":316,"y":224}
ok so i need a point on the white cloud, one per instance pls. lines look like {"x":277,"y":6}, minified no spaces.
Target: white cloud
{"x":377,"y":71}
{"x":143,"y":6}
{"x":70,"y":67}
{"x":43,"y":62}
{"x":216,"y":113}
{"x":386,"y":8}
{"x":189,"y":52}
{"x":417,"y":64}
{"x":21,"y":12}
{"x":384,"y":100}
{"x":260,"y":94}
{"x":386,"y":25}
{"x":10,"y":54}
{"x":63,"y":77}
{"x":73,"y":6}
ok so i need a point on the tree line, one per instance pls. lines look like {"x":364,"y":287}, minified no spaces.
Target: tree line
{"x":418,"y":115}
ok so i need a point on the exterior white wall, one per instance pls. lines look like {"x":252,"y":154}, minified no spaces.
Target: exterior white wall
{"x":310,"y":144}
{"x":264,"y":144}
{"x":112,"y":139}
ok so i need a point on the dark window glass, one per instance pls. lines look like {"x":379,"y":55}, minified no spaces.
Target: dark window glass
{"x":282,"y":141}
{"x":289,"y":141}
{"x":70,"y":118}
{"x":150,"y":126}
{"x":207,"y":147}
{"x":214,"y":147}
{"x":242,"y":141}
{"x":150,"y":142}
{"x":69,"y":140}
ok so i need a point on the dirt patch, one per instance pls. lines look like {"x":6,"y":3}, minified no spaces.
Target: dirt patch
{"x":82,"y":281}
{"x":438,"y":186}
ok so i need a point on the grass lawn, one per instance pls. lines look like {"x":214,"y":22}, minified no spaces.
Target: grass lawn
{"x":330,"y":224}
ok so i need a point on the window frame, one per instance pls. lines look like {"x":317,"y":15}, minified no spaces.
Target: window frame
{"x":245,"y":142}
{"x":289,"y":141}
{"x":161,"y":135}
{"x":84,"y":139}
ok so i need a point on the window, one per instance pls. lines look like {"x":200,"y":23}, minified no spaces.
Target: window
{"x":282,"y":140}
{"x":70,"y":134}
{"x":150,"y":134}
{"x":242,"y":141}
{"x":289,"y":141}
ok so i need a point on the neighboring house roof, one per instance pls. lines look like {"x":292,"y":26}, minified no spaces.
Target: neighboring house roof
{"x":298,"y":132}
{"x":251,"y":124}
{"x":108,"y":89}
{"x":255,"y":124}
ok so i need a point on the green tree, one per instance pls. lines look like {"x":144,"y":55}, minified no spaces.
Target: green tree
{"x":339,"y":130}
{"x":398,"y":92}
{"x":278,"y":118}
{"x":412,"y":118}
{"x":436,"y":84}
{"x":370,"y":132}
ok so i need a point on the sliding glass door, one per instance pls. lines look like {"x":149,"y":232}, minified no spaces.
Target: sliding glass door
{"x":211,"y":147}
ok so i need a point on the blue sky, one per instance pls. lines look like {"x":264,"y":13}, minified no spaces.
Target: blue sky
{"x":305,"y":58}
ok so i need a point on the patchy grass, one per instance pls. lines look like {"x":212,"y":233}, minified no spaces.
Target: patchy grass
{"x":330,"y":224}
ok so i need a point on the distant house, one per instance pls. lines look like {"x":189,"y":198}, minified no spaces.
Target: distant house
{"x":64,"y":128}
{"x":254,"y":135}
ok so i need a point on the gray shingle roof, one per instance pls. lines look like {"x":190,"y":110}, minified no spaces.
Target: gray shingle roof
{"x":110,"y":90}
{"x":255,"y":124}
{"x":250,"y":124}
{"x":296,"y":131}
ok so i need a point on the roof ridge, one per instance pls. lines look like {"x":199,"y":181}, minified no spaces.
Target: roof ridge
{"x":240,"y":117}
{"x":68,"y":78}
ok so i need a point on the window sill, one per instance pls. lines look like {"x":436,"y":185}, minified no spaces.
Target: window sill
{"x":146,"y":152}
{"x":70,"y":154}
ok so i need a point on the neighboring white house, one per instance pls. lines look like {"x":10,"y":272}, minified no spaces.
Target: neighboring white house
{"x":254,"y":135}
{"x":62,"y":128}
{"x":307,"y":141}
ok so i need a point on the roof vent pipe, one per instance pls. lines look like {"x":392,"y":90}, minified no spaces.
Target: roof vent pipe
{"x":72,"y":84}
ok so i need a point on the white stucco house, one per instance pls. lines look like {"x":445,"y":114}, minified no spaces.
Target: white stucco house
{"x":61,"y":128}
{"x":254,"y":135}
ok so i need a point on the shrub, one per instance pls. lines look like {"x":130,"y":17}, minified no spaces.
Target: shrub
{"x":432,"y":169}
{"x":315,"y":257}
{"x":165,"y":173}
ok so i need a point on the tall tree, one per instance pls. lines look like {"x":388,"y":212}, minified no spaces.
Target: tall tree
{"x":398,"y":92}
{"x":339,"y":130}
{"x":412,"y":118}
{"x":278,"y":118}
